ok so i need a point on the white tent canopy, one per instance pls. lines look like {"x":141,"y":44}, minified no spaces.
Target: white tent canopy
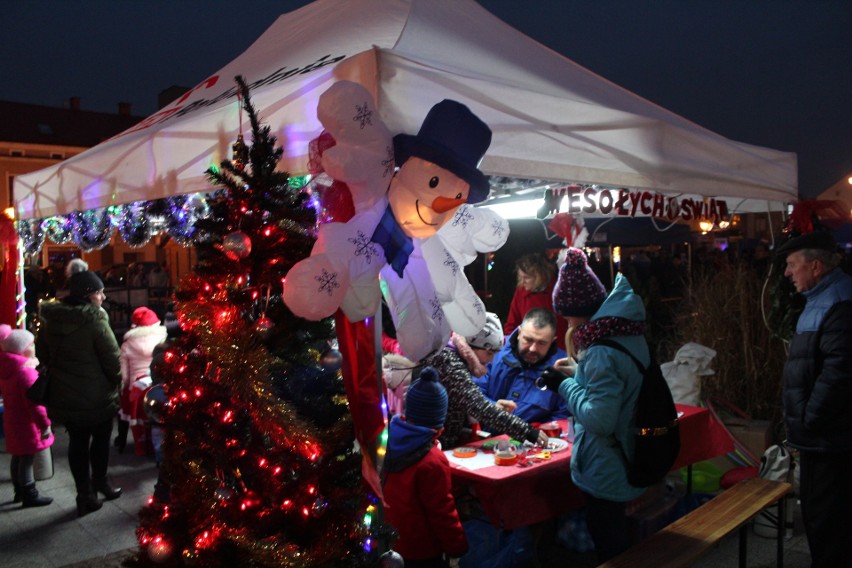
{"x":551,"y":118}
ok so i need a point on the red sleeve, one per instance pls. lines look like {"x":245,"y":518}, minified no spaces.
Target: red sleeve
{"x":390,"y":345}
{"x":513,"y":320}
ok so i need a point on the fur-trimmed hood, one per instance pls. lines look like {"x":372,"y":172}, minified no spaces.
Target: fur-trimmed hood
{"x":467,"y":354}
{"x":397,"y":370}
{"x":140,"y":341}
{"x":67,"y":318}
{"x":135,"y":333}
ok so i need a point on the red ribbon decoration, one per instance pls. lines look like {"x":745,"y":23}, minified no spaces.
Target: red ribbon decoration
{"x":8,"y":270}
{"x":361,"y":379}
{"x":356,"y":341}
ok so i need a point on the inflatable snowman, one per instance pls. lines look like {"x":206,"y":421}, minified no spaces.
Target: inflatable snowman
{"x":412,"y":233}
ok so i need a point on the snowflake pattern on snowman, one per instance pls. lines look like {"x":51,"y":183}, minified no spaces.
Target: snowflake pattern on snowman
{"x":327,"y":282}
{"x":363,"y":114}
{"x":421,"y":218}
{"x":365,"y":247}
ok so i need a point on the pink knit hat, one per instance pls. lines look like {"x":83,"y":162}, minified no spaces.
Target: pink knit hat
{"x":577,"y":292}
{"x":5,"y":330}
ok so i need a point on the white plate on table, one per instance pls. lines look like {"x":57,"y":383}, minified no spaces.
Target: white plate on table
{"x":555,"y":445}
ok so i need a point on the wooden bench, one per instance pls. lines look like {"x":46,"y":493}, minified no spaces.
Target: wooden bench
{"x":686,"y":539}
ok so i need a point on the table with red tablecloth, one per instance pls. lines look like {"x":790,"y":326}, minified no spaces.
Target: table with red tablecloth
{"x":516,"y":496}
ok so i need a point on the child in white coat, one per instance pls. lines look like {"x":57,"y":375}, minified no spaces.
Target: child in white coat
{"x":137,"y":349}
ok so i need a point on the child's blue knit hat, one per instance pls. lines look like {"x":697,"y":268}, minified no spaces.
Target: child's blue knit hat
{"x":426,"y":400}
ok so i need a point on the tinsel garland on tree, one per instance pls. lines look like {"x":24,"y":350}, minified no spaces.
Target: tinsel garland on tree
{"x":258,"y":449}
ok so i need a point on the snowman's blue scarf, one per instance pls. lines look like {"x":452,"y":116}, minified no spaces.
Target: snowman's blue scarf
{"x":397,"y":245}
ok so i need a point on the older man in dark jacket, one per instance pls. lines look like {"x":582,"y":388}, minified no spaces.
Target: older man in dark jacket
{"x":818,"y":394}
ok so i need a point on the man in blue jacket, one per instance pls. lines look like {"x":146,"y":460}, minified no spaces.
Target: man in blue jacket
{"x":510,"y":378}
{"x":818,"y":394}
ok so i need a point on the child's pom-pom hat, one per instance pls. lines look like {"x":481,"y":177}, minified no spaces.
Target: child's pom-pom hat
{"x":578,"y":292}
{"x":426,"y":400}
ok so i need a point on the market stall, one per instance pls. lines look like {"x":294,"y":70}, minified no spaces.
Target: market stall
{"x":551,"y":118}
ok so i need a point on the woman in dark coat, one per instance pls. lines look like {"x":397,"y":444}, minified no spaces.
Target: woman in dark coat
{"x":82,"y":354}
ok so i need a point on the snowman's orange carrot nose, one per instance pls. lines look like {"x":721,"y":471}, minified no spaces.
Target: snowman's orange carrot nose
{"x":444,"y":204}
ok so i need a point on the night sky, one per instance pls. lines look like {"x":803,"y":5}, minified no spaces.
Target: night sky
{"x":775,"y":73}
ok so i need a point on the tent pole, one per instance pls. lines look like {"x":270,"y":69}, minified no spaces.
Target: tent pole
{"x":378,"y":449}
{"x":485,"y":276}
{"x":21,"y":307}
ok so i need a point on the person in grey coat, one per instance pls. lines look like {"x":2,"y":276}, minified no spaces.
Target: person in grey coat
{"x":82,"y":354}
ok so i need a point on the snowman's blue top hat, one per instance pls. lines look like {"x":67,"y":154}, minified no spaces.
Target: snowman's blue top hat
{"x":454,"y":138}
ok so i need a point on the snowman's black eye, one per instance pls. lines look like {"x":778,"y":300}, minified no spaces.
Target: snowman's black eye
{"x":458,"y":196}
{"x":433,"y":183}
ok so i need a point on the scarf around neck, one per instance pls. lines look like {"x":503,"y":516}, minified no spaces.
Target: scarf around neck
{"x":591,"y":331}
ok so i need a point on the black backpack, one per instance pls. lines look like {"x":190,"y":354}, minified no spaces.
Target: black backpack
{"x":657,"y":433}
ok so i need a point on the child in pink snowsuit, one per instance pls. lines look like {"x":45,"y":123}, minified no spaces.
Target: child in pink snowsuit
{"x":26,"y":424}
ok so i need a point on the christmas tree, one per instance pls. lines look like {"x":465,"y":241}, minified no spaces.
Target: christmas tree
{"x":258,"y":450}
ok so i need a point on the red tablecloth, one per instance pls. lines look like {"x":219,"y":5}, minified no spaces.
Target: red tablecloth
{"x":513,"y":496}
{"x":701,"y":436}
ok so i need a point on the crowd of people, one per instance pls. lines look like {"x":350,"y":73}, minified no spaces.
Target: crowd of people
{"x":596,"y":386}
{"x":544,"y":363}
{"x":91,"y":377}
{"x":46,"y":283}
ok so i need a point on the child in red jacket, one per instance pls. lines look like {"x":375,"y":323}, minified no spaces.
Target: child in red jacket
{"x":417,"y":487}
{"x":26,"y":424}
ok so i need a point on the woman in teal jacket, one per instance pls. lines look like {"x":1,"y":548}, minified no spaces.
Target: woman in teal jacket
{"x":601,"y":393}
{"x":82,"y":354}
